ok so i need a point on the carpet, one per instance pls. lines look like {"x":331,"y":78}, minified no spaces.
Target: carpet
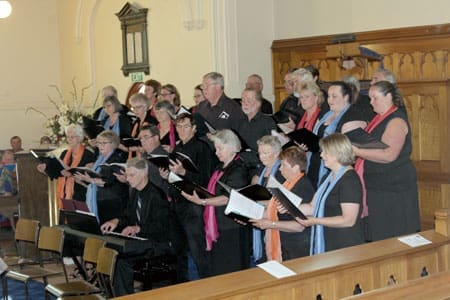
{"x":16,"y":290}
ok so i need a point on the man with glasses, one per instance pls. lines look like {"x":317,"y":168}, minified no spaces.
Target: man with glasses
{"x":219,"y":111}
{"x":189,"y":215}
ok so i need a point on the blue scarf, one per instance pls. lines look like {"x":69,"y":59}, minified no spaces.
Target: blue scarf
{"x":116,"y":126}
{"x":331,"y":128}
{"x":257,"y":244}
{"x":91,"y":193}
{"x":317,"y":238}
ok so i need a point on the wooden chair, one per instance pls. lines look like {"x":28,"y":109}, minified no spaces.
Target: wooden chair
{"x":51,"y":239}
{"x":79,"y":287}
{"x":26,"y":233}
{"x":106,"y":265}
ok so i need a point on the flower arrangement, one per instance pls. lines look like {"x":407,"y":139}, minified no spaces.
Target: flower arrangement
{"x":67,"y":112}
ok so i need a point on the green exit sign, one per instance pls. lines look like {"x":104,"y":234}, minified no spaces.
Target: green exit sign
{"x":137,"y":77}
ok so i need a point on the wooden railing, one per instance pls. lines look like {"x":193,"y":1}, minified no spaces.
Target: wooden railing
{"x":331,"y":275}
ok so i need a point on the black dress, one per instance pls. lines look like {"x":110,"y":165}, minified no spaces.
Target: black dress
{"x":296,"y":244}
{"x":347,"y":190}
{"x":352,"y":114}
{"x":392,"y":194}
{"x":231,"y":252}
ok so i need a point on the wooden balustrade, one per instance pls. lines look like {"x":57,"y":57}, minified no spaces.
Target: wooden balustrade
{"x":333,"y":275}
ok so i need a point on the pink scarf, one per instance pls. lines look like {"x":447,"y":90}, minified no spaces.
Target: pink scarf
{"x":359,"y":164}
{"x":209,"y":214}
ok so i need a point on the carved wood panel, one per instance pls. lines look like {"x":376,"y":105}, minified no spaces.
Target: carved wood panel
{"x":419,"y":58}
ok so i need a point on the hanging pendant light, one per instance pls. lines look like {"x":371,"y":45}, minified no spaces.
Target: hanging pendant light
{"x":5,"y":9}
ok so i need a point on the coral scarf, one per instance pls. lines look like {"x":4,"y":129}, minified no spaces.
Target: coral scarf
{"x":359,"y":164}
{"x":66,"y":184}
{"x":273,"y":243}
{"x":309,"y":124}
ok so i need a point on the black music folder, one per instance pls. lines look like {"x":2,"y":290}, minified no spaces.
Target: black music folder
{"x":256,"y":192}
{"x":118,"y":168}
{"x":85,"y":170}
{"x":284,"y":200}
{"x":53,"y":165}
{"x":187,"y":186}
{"x":362,"y":139}
{"x":82,"y":221}
{"x":163,"y":161}
{"x":304,"y":136}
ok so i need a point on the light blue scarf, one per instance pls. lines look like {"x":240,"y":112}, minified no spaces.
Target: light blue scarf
{"x":91,"y":193}
{"x":115,"y":128}
{"x":331,"y":128}
{"x":317,"y":238}
{"x":257,"y":244}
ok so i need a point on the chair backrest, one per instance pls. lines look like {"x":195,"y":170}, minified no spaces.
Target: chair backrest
{"x":91,"y":249}
{"x":27,"y":230}
{"x":106,"y":264}
{"x":51,"y":239}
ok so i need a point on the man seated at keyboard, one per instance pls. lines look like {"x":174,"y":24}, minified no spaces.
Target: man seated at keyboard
{"x":146,"y":216}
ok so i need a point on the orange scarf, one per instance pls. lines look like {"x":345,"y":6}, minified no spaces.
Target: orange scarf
{"x":273,"y":243}
{"x":66,"y":184}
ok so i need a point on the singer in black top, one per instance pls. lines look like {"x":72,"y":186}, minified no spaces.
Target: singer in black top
{"x":147,"y":215}
{"x":228,"y":243}
{"x":189,"y":215}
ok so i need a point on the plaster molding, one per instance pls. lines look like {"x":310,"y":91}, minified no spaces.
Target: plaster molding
{"x":91,"y":48}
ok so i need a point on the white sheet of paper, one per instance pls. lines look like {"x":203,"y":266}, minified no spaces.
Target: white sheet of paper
{"x":414,"y":240}
{"x":276,"y":269}
{"x":244,"y":206}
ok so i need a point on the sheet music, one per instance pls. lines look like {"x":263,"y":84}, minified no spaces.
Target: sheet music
{"x":126,"y":236}
{"x":241,"y":205}
{"x":273,"y":183}
{"x":276,"y":269}
{"x":414,"y":240}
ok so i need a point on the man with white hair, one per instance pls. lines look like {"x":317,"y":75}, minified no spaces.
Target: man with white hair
{"x":219,"y":111}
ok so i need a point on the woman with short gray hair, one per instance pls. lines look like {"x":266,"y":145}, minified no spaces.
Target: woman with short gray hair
{"x":227,"y":241}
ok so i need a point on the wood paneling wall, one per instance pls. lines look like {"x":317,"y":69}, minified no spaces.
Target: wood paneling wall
{"x":419,"y":58}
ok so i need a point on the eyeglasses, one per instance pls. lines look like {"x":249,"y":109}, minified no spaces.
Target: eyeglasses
{"x":103,"y":143}
{"x":146,"y":137}
{"x":137,"y":107}
{"x":179,"y":126}
{"x":165,"y":94}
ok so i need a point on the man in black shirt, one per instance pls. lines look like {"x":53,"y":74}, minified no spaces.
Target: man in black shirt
{"x":255,"y":82}
{"x":147,"y":215}
{"x":219,"y":111}
{"x":189,"y":215}
{"x":256,"y":124}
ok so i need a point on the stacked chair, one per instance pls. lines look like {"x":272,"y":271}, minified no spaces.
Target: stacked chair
{"x":51,"y":240}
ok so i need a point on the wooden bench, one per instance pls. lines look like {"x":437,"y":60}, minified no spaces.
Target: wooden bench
{"x":431,"y":287}
{"x":331,"y":275}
